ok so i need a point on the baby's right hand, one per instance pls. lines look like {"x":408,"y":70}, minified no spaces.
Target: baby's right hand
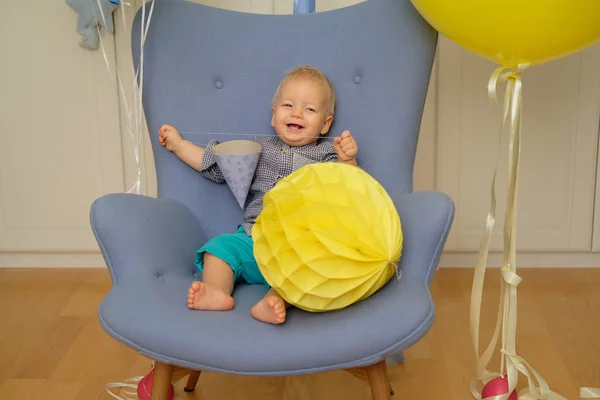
{"x":169,"y":137}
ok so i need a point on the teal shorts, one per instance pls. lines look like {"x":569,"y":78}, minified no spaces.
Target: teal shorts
{"x":237,"y":250}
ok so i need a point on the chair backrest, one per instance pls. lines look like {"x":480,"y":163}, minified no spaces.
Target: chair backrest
{"x":210,"y":70}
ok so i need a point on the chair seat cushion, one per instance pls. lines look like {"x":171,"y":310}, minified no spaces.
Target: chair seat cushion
{"x":233,"y":342}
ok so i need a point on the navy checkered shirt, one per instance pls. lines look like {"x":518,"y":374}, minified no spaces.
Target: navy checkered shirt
{"x":277,"y":160}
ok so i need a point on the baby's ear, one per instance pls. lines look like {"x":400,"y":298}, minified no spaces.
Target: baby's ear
{"x":327,"y":124}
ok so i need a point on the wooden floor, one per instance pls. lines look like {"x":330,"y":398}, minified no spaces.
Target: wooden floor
{"x":52,"y":347}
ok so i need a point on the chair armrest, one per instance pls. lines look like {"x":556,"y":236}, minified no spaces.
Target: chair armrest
{"x":426,"y":219}
{"x":141,"y":237}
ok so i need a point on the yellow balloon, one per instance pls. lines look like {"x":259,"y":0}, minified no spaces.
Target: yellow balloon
{"x":513,"y":32}
{"x":329,"y":235}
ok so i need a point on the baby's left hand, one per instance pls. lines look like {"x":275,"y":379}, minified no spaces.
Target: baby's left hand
{"x":345,"y":146}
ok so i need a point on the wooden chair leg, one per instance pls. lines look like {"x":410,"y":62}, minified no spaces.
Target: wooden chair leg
{"x":161,"y":381}
{"x":179,"y":373}
{"x":374,"y":374}
{"x":378,"y":380}
{"x":192,"y":381}
{"x":387,"y":376}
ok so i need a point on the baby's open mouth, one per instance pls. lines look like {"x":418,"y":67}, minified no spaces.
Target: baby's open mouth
{"x":294,"y":126}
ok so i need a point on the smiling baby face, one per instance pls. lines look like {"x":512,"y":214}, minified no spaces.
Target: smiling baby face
{"x":302,"y":107}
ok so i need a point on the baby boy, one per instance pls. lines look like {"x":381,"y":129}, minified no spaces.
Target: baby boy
{"x":302,"y":111}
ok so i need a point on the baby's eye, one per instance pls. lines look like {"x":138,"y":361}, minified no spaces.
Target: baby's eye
{"x":310,"y":109}
{"x":287,"y":105}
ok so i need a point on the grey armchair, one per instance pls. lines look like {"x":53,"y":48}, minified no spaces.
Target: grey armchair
{"x":209,"y":70}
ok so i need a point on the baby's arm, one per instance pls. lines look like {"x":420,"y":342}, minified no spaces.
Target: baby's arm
{"x":193,"y":155}
{"x":188,"y":152}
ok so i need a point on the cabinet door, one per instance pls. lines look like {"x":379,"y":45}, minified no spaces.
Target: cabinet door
{"x":60,"y":134}
{"x":558,"y":158}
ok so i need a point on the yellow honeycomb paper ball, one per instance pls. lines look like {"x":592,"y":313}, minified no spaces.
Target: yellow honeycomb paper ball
{"x":329,"y":236}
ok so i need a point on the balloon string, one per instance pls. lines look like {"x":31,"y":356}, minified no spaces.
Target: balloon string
{"x":242,"y":134}
{"x":397,"y":269}
{"x":192,"y":133}
{"x":134,"y":112}
{"x":131,"y":383}
{"x":589,"y":393}
{"x":506,"y":321}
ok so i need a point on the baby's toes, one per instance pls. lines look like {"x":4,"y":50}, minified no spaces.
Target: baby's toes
{"x":273,"y":302}
{"x":190,"y":298}
{"x":281,"y":315}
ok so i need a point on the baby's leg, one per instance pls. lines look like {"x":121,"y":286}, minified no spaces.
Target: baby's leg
{"x":271,"y":309}
{"x":214,"y":292}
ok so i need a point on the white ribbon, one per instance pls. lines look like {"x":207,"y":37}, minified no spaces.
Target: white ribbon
{"x":131,"y":383}
{"x":511,"y":363}
{"x":135,"y":111}
{"x":397,"y":269}
{"x":589,"y":393}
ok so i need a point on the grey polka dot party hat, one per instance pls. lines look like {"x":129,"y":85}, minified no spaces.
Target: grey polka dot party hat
{"x":237,"y":160}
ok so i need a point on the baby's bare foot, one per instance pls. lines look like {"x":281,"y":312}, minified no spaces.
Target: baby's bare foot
{"x":206,"y":297}
{"x":271,"y":309}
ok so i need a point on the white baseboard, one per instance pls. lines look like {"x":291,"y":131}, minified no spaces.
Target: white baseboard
{"x":448,"y":260}
{"x":525,"y":260}
{"x":52,"y":260}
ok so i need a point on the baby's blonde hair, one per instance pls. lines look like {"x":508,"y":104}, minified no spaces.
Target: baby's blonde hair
{"x":314,"y":74}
